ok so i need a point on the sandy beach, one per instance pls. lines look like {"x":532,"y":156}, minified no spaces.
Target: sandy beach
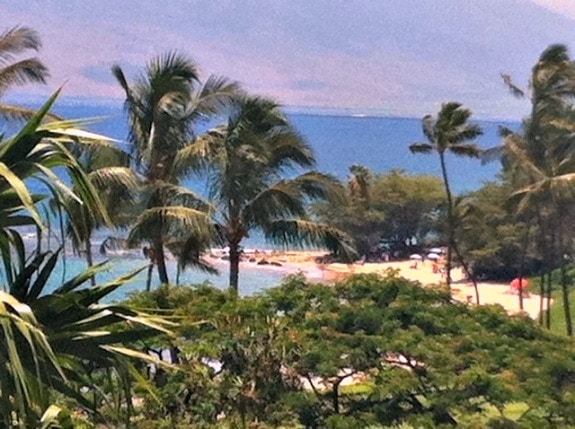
{"x":462,"y":290}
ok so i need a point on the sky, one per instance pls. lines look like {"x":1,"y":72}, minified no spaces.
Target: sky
{"x":385,"y":57}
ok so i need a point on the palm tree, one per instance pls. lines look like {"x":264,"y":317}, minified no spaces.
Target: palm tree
{"x":163,"y":107}
{"x":449,"y":132}
{"x":359,"y":184}
{"x":107,"y":167}
{"x":539,"y":160}
{"x":13,"y":72}
{"x":247,"y":160}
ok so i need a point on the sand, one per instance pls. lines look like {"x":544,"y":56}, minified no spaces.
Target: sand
{"x":462,"y":290}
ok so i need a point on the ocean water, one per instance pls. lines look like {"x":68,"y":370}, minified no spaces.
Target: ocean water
{"x":252,"y":279}
{"x":379,"y":143}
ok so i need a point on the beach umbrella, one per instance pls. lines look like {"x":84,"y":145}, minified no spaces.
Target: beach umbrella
{"x":518,"y":283}
{"x":433,"y":256}
{"x":437,"y":250}
{"x":416,"y":256}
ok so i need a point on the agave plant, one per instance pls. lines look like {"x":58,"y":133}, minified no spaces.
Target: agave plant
{"x":31,"y":155}
{"x":58,"y":341}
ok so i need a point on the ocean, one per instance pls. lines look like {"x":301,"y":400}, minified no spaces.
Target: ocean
{"x":379,"y":143}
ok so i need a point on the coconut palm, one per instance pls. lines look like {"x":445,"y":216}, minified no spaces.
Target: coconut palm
{"x":450,"y":132}
{"x":539,"y":160}
{"x":163,"y":107}
{"x":107,"y":167}
{"x":17,"y":72}
{"x":248,"y":160}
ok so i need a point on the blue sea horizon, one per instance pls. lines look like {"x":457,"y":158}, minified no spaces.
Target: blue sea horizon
{"x":338,"y":138}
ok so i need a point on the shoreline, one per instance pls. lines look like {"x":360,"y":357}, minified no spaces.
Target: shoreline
{"x":291,"y":262}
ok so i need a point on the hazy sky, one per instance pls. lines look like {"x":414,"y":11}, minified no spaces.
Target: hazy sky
{"x":388,"y":56}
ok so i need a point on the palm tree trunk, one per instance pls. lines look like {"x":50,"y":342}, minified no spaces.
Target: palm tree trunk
{"x":149,"y":277}
{"x":468,"y":272}
{"x":522,"y":268}
{"x":450,"y":223}
{"x":89,"y":259}
{"x":160,"y":258}
{"x":566,"y":308}
{"x":541,"y":297}
{"x":548,"y":307}
{"x":564,"y":281}
{"x":234,"y":267}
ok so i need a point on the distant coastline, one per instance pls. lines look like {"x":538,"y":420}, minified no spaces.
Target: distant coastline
{"x":34,"y":100}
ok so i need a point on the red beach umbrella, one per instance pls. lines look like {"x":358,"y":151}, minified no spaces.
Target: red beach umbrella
{"x":518,"y":283}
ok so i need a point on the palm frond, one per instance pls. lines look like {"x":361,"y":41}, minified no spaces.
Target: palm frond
{"x":301,"y":233}
{"x":18,"y":39}
{"x":421,"y":148}
{"x":171,"y":220}
{"x":189,"y":251}
{"x":19,"y":113}
{"x":215,"y":96}
{"x":465,"y":133}
{"x":196,"y":156}
{"x":468,"y":150}
{"x":428,"y":127}
{"x":289,"y":148}
{"x":513,"y":89}
{"x":110,"y":178}
{"x":555,"y":53}
{"x":20,"y":73}
{"x":492,"y":154}
{"x":282,"y":199}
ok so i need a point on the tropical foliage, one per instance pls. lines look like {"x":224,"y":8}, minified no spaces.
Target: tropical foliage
{"x":539,"y":165}
{"x":368,"y":352}
{"x":396,"y":209}
{"x":164,"y":106}
{"x":54,"y":341}
{"x":15,"y":71}
{"x":371,"y":351}
{"x":248,"y":161}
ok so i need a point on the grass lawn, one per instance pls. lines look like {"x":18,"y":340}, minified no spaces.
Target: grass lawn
{"x":558,"y":325}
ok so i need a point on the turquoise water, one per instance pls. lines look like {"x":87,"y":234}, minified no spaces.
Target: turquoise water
{"x":252,"y":279}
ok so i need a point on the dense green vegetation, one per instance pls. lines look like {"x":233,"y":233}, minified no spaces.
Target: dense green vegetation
{"x":367,"y":352}
{"x":285,"y":359}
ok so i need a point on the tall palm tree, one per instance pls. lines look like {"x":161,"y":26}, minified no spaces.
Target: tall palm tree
{"x":248,"y":160}
{"x":539,"y":161}
{"x":17,"y":72}
{"x":164,"y":106}
{"x":449,"y":132}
